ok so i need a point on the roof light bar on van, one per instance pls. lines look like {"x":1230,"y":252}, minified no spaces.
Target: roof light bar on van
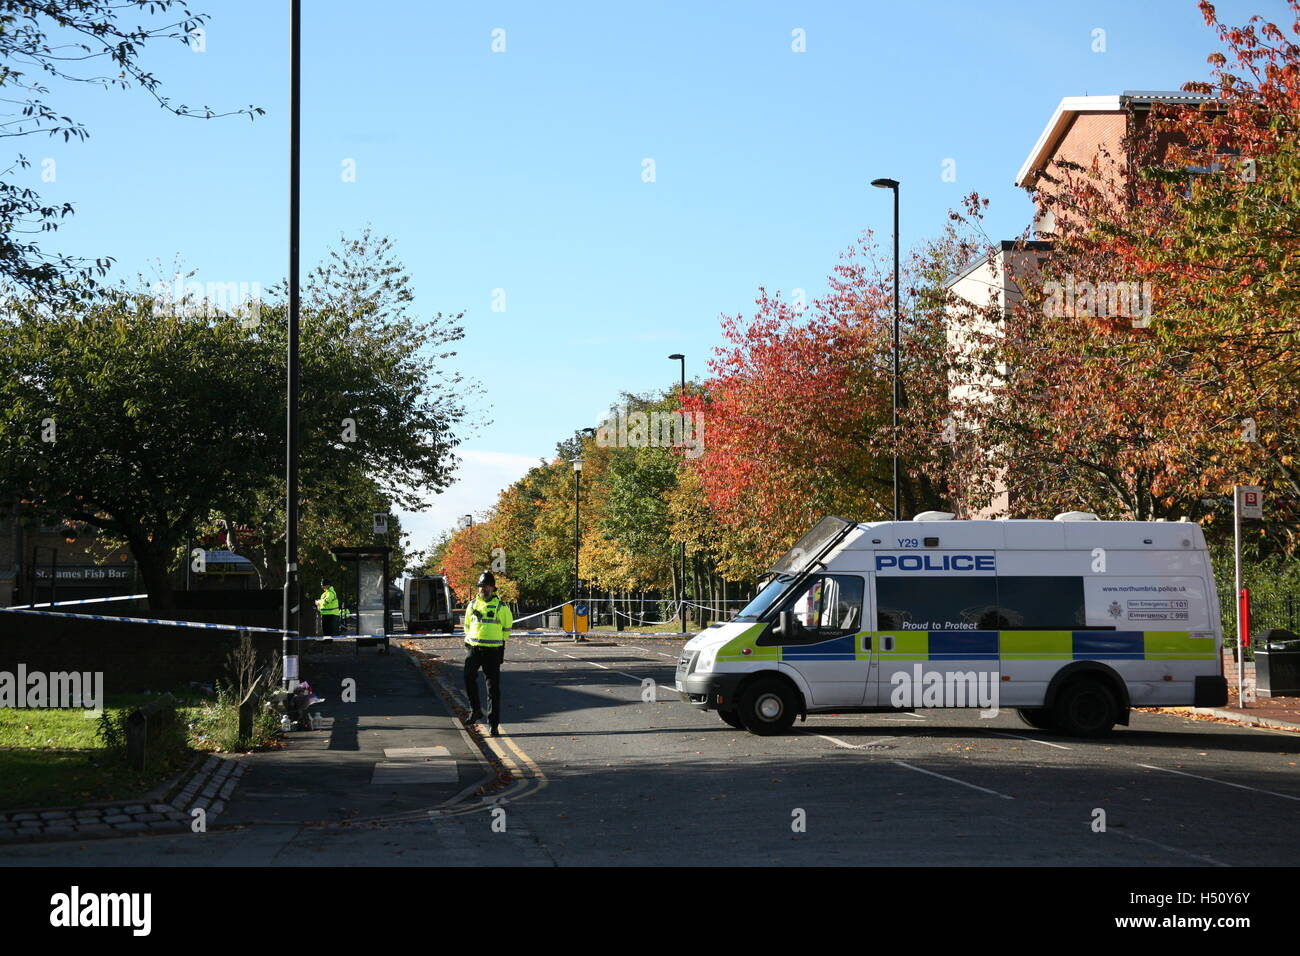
{"x":1076,"y":516}
{"x":935,"y":516}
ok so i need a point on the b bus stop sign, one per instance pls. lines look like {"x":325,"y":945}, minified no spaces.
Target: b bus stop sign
{"x":372,"y":592}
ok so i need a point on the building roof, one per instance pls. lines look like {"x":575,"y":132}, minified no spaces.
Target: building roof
{"x":1006,"y":245}
{"x":1072,"y":106}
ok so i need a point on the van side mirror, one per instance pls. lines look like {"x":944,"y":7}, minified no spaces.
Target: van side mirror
{"x":784,"y":624}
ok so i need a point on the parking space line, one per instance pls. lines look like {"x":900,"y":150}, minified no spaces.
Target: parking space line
{"x":1045,"y":743}
{"x":1163,"y":846}
{"x":931,"y":773}
{"x":1226,"y":783}
{"x":592,"y":663}
{"x":840,"y":743}
{"x":659,"y":685}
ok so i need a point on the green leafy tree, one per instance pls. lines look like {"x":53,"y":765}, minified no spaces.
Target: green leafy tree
{"x":136,"y":421}
{"x":72,"y":43}
{"x":153,"y":424}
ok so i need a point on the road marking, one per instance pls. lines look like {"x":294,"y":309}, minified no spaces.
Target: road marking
{"x":902,"y":763}
{"x":1226,"y":783}
{"x":639,"y":680}
{"x":443,"y":770}
{"x":1045,"y":743}
{"x":1171,"y":849}
{"x":532,"y":764}
{"x":840,"y":743}
{"x":397,"y":753}
{"x":592,"y":663}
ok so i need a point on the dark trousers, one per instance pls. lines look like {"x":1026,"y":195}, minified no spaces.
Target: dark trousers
{"x":329,"y":624}
{"x":489,"y":659}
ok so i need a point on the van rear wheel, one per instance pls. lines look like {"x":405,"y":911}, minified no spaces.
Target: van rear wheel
{"x":1085,"y":707}
{"x":767,"y":707}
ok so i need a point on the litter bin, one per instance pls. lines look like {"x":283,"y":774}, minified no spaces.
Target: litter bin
{"x":553,"y":620}
{"x":1277,"y":664}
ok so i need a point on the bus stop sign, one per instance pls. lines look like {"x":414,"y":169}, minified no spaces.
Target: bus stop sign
{"x":1252,"y":501}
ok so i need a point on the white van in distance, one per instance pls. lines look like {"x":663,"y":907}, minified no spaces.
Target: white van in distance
{"x":1071,"y":621}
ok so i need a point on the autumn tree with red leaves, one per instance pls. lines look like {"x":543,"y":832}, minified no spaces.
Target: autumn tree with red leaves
{"x":1156,"y":411}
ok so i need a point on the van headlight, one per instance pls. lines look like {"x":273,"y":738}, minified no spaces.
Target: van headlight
{"x":704,"y":662}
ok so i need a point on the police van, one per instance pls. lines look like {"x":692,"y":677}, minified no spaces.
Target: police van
{"x":1072,"y":621}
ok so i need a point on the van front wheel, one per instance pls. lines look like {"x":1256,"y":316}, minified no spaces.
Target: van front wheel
{"x":1085,"y":708}
{"x":767,"y":707}
{"x":1039,"y":717}
{"x":731,"y":718}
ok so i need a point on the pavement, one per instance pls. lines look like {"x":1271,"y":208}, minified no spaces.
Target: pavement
{"x":1278,"y":713}
{"x":602,"y":764}
{"x":378,"y":783}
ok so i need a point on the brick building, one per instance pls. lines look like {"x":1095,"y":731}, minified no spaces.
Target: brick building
{"x":40,"y":562}
{"x":1092,"y":132}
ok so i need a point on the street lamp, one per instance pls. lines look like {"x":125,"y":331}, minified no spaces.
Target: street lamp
{"x":893,"y":184}
{"x":681,"y":401}
{"x":577,"y":506}
{"x":577,"y":512}
{"x":290,"y":617}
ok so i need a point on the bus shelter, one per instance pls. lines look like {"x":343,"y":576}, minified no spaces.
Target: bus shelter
{"x":371,"y":569}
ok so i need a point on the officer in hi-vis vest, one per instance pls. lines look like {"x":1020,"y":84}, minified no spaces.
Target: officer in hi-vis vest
{"x":487,"y":625}
{"x":328,"y":605}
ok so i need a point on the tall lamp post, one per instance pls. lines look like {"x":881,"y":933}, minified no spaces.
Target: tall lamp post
{"x":291,"y":614}
{"x":577,"y":541}
{"x":681,"y":401}
{"x":577,"y":510}
{"x":893,"y":184}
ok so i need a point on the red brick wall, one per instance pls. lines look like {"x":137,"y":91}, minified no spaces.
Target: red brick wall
{"x":1091,"y":139}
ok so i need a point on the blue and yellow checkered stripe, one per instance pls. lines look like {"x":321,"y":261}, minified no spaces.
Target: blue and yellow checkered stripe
{"x":1044,"y":646}
{"x":911,"y":646}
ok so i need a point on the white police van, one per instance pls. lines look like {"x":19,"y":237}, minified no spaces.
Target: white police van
{"x":1071,"y":621}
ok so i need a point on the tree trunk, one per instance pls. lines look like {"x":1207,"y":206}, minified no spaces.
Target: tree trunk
{"x":155,"y":571}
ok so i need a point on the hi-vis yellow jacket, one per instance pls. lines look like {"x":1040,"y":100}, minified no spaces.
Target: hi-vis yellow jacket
{"x":487,"y":623}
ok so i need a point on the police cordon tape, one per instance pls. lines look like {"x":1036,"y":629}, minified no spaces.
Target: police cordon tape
{"x":25,"y":609}
{"x":120,"y":597}
{"x":670,"y":619}
{"x":540,"y":613}
{"x":205,"y":626}
{"x":198,"y":624}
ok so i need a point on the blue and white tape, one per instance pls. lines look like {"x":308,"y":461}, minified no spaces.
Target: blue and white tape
{"x":120,"y":597}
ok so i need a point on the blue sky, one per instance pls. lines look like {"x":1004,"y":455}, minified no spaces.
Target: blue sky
{"x":522,"y":171}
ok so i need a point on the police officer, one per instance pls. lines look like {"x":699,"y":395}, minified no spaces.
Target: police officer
{"x":328,"y":605}
{"x":487,"y":625}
